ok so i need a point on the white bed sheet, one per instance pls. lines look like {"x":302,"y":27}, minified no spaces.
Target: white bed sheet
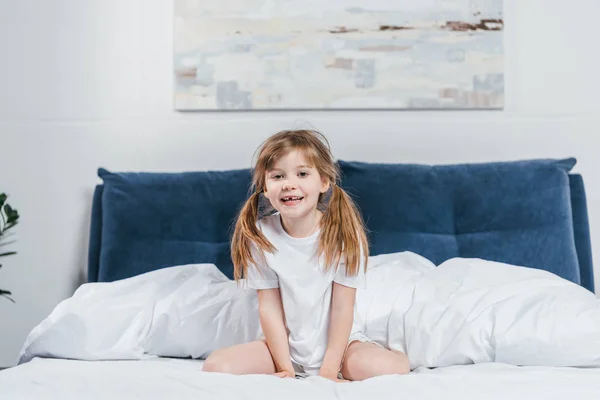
{"x":160,"y":378}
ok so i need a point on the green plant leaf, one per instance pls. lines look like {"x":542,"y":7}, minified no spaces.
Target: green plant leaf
{"x":8,"y":226}
{"x":6,"y":293}
{"x":12,"y":215}
{"x":2,"y":244}
{"x":8,"y":218}
{"x":5,"y":243}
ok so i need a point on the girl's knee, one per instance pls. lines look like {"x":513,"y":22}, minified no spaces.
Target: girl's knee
{"x":399,"y":365}
{"x":399,"y":362}
{"x":217,"y":363}
{"x":357,"y":364}
{"x":364,"y":361}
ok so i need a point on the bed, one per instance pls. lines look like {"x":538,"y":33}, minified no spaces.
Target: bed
{"x":511,"y":239}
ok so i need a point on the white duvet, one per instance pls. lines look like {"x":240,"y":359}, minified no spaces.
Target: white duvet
{"x":55,"y":379}
{"x":464,"y":311}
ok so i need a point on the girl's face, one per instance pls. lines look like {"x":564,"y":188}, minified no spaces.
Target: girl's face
{"x":293,"y":187}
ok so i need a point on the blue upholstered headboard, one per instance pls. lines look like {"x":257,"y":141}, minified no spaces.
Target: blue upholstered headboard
{"x":531,"y":213}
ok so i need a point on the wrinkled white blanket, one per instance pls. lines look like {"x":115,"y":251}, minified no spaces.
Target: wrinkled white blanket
{"x":159,"y":379}
{"x":461,"y":312}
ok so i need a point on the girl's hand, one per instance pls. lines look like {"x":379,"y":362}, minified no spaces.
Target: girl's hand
{"x":285,"y":374}
{"x":331,"y":375}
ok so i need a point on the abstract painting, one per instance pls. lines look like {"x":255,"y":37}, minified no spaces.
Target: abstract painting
{"x":338,"y":54}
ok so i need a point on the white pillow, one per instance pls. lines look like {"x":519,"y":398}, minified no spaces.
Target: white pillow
{"x":182,"y":311}
{"x":381,"y":306}
{"x":473,"y":311}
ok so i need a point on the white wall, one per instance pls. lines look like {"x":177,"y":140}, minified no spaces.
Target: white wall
{"x":87,"y":83}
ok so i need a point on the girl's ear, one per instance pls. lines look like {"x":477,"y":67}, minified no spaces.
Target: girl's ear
{"x":325,"y":185}
{"x":325,"y":197}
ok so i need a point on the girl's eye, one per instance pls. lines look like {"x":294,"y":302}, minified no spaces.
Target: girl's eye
{"x":303,"y":174}
{"x":277,"y":176}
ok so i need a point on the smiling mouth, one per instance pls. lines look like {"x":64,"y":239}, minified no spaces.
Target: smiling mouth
{"x":291,"y":200}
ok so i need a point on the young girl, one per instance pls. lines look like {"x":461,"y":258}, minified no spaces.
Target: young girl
{"x":300,"y":241}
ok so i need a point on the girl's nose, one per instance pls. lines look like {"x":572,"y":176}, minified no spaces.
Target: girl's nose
{"x":288,"y":185}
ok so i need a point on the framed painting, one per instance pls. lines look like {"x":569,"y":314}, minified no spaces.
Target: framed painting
{"x":338,"y":54}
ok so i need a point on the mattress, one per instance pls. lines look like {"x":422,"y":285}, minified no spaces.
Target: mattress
{"x":160,"y":378}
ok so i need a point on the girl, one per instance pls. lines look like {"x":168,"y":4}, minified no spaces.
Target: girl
{"x":300,"y":241}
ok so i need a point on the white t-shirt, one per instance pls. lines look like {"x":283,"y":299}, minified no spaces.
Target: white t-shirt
{"x":305,"y":288}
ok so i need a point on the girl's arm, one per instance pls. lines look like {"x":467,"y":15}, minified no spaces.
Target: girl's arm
{"x":271,"y":314}
{"x":340,"y":326}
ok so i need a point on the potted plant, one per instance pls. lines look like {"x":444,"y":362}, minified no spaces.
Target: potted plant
{"x":8,"y":219}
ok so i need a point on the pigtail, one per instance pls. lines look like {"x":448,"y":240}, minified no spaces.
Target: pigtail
{"x":343,"y":235}
{"x":245,"y":236}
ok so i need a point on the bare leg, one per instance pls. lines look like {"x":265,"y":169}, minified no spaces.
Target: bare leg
{"x":241,"y":359}
{"x":367,"y":360}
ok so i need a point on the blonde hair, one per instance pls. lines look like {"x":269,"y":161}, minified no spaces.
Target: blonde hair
{"x":343,"y":235}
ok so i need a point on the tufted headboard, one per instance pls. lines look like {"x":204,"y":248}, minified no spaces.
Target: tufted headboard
{"x":531,"y":213}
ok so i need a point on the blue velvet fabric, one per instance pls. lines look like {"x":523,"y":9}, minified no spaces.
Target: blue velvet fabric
{"x":157,"y":220}
{"x":95,"y":235}
{"x":582,"y":231}
{"x":515,"y":212}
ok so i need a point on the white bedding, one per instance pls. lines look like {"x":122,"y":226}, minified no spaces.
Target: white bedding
{"x":474,"y":319}
{"x":462,"y":312}
{"x":162,"y":378}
